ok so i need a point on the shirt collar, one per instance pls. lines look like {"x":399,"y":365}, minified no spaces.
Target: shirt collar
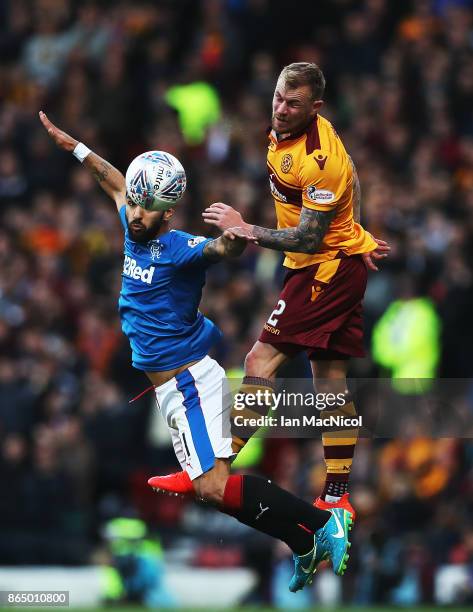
{"x":272,"y":135}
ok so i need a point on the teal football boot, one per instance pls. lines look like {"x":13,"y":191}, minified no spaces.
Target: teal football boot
{"x":332,"y":540}
{"x":304,"y":568}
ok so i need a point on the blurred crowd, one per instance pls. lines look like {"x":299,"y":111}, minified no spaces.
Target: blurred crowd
{"x":196,"y":79}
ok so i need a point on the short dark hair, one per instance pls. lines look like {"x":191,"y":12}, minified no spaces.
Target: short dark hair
{"x":304,"y":73}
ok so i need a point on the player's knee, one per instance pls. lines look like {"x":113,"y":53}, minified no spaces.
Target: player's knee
{"x":250,"y":362}
{"x":255,"y":363}
{"x":210,"y":487}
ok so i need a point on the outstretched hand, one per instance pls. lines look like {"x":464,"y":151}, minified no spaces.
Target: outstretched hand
{"x":223,"y":216}
{"x":239,"y":233}
{"x":62,"y":139}
{"x":380,"y":252}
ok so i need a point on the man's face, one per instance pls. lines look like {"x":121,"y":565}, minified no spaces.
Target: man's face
{"x":143,"y":225}
{"x":293,"y":109}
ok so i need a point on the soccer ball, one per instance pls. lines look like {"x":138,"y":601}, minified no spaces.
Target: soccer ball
{"x":155,"y":180}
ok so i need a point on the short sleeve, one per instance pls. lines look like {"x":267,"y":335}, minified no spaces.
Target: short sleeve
{"x":323,"y":184}
{"x":188,"y":250}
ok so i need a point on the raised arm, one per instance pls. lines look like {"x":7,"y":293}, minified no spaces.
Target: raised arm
{"x":109,"y":178}
{"x":304,"y":238}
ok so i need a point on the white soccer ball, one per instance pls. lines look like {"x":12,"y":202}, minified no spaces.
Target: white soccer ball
{"x":155,"y":180}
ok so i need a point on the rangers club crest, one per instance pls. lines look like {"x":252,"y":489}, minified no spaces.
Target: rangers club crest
{"x":286,"y":163}
{"x":156,"y":250}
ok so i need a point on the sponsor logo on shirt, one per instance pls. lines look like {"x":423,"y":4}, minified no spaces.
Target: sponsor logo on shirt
{"x":274,"y":190}
{"x":193,"y":242}
{"x":320,"y":196}
{"x":131,"y":269}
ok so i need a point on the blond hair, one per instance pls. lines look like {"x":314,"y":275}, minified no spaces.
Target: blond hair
{"x":304,"y":73}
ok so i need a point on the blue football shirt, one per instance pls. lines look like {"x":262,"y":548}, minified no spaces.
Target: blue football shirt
{"x":162,"y":283}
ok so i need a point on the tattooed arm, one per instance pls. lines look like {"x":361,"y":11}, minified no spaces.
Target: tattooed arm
{"x":109,"y":178}
{"x":305,"y":238}
{"x":231,"y":243}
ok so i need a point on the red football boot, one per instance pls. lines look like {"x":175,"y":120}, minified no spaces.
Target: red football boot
{"x":178,"y":483}
{"x":343,"y":502}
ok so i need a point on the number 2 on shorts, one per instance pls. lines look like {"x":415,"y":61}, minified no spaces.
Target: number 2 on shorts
{"x":276,"y":312}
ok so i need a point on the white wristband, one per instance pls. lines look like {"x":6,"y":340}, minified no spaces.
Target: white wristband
{"x":81,"y":151}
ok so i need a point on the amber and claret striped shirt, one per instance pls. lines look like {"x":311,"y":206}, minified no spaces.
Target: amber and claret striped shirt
{"x":313,"y":169}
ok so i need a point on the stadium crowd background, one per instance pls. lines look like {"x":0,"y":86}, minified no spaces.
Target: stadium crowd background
{"x":196,"y":79}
